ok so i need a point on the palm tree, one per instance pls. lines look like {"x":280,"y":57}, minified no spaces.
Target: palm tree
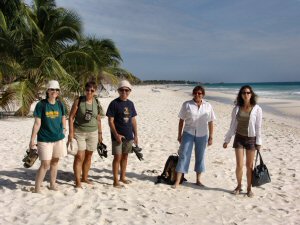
{"x":44,"y":42}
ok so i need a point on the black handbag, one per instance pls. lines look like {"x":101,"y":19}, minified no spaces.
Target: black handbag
{"x":260,"y":173}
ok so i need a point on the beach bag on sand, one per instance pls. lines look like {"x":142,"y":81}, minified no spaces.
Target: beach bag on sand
{"x":260,"y":173}
{"x":168,"y":175}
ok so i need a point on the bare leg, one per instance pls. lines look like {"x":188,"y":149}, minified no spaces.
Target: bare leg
{"x":123,"y":164}
{"x":178,"y":178}
{"x":53,"y":173}
{"x":250,"y":154}
{"x":86,"y":166}
{"x":77,"y":166}
{"x":45,"y":165}
{"x":239,"y":154}
{"x":115,"y":167}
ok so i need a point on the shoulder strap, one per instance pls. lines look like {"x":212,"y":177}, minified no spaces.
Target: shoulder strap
{"x":43,"y":102}
{"x":99,"y":108}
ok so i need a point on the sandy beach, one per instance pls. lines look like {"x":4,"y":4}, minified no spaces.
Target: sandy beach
{"x":143,"y":202}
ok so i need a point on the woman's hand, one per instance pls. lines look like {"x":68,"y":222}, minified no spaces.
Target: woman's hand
{"x":225,"y":145}
{"x":70,"y":137}
{"x":210,"y":141}
{"x":100,"y":139}
{"x":31,"y":144}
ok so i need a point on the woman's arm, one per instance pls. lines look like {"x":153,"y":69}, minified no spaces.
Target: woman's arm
{"x":71,"y":119}
{"x":232,"y":128}
{"x":35,"y":130}
{"x":211,"y":132}
{"x":100,"y":139}
{"x":180,"y":127}
{"x":258,"y":126}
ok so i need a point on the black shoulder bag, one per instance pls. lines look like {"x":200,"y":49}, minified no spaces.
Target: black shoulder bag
{"x":260,"y":173}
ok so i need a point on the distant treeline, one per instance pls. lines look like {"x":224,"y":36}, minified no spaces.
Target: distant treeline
{"x":170,"y":82}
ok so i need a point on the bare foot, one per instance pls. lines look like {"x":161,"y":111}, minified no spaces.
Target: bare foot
{"x":87,"y":181}
{"x":118,"y":185}
{"x":250,"y":194}
{"x":198,"y":183}
{"x":237,"y":190}
{"x":126,"y":181}
{"x":174,"y":186}
{"x":53,"y":188}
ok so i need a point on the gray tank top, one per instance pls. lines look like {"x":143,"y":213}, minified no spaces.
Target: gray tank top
{"x":243,"y":123}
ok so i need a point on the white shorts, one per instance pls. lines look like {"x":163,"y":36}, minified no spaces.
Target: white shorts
{"x":50,"y":150}
{"x":87,"y":140}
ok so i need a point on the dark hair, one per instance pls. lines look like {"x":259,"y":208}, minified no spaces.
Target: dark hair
{"x":240,"y":101}
{"x":199,"y":88}
{"x":47,"y":95}
{"x":91,"y":84}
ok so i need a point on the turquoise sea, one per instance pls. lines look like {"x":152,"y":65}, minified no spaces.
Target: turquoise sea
{"x":272,"y":90}
{"x":282,"y":90}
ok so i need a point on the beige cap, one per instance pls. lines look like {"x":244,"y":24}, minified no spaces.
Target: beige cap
{"x":124,"y":83}
{"x":53,"y":84}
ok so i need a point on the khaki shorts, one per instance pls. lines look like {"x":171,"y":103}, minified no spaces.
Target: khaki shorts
{"x":87,"y":140}
{"x":123,"y":147}
{"x":50,"y":150}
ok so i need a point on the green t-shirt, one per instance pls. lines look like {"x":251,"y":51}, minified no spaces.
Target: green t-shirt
{"x":80,"y":122}
{"x":51,"y":129}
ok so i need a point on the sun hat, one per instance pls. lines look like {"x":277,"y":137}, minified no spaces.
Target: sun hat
{"x":53,"y":84}
{"x":124,"y":83}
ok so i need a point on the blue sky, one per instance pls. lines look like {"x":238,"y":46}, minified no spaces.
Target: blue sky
{"x":204,"y":40}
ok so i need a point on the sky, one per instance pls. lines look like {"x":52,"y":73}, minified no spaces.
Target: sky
{"x":199,"y":40}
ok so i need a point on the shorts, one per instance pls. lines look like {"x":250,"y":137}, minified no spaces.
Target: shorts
{"x":241,"y":141}
{"x":87,"y":140}
{"x":122,"y":148}
{"x":50,"y":150}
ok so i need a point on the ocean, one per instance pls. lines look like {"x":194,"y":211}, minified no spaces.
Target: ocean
{"x":280,"y":90}
{"x":276,"y":90}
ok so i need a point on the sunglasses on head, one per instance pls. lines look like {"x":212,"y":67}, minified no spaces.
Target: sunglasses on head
{"x":90,"y":90}
{"x":246,"y":92}
{"x":52,"y":89}
{"x":124,"y":90}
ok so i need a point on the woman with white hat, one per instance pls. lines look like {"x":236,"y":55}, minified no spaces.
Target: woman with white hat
{"x":49,"y":126}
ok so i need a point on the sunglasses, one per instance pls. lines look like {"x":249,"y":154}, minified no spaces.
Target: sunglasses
{"x":198,"y":93}
{"x":51,"y":89}
{"x":246,"y":92}
{"x":124,"y":90}
{"x":90,"y":90}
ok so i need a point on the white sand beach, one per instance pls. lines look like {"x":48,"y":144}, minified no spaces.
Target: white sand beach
{"x":143,"y":202}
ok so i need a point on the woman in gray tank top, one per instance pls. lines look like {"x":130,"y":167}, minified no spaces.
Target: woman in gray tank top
{"x":85,"y":127}
{"x":246,"y":126}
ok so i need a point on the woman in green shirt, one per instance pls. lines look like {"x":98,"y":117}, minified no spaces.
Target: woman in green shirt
{"x":49,"y":126}
{"x":85,"y":127}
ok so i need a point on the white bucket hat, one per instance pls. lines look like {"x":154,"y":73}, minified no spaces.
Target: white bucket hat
{"x":124,"y":83}
{"x":53,"y":84}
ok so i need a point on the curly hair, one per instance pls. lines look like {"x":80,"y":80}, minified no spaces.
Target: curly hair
{"x":240,"y":101}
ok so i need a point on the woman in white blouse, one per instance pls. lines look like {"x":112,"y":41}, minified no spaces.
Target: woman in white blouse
{"x":246,"y":126}
{"x":195,"y":127}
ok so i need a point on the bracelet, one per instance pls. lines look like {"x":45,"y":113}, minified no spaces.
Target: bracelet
{"x":100,"y":132}
{"x":210,"y":138}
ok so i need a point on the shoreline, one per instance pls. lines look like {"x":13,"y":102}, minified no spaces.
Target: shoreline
{"x":143,"y":202}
